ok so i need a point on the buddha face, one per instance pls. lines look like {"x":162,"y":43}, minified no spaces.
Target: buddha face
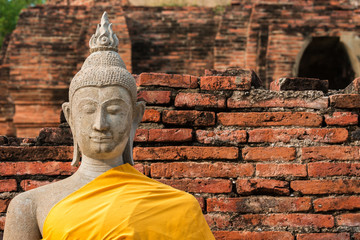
{"x":101,"y":119}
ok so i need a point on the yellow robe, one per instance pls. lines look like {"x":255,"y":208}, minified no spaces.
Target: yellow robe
{"x":124,"y":204}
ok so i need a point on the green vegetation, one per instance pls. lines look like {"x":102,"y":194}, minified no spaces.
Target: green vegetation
{"x":173,"y":3}
{"x":9,"y":14}
{"x":219,"y":10}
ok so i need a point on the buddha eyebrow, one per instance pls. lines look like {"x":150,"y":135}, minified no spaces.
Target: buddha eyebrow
{"x":116,"y":100}
{"x":86,"y":101}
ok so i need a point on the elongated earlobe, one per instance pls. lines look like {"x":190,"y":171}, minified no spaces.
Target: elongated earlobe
{"x":76,"y":155}
{"x":139,"y":112}
{"x":139,"y":109}
{"x":66,"y":110}
{"x":67,"y":114}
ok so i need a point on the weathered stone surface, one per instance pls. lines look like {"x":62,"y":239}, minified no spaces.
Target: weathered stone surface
{"x":254,"y":79}
{"x":37,"y":153}
{"x":345,"y":101}
{"x":55,"y":137}
{"x":299,"y":84}
{"x":353,"y":87}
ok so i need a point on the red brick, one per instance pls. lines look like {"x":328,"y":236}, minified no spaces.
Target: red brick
{"x":2,"y":223}
{"x":341,"y":119}
{"x":238,"y":100}
{"x":170,"y":135}
{"x":168,"y":80}
{"x":236,"y":235}
{"x":326,"y":186}
{"x":336,"y":203}
{"x":323,"y":236}
{"x":32,"y":184}
{"x":262,"y":186}
{"x":299,"y":84}
{"x":268,"y":153}
{"x":199,"y":100}
{"x":200,"y":185}
{"x":354,"y":86}
{"x":345,"y":101}
{"x":327,"y":135}
{"x":151,"y":115}
{"x":184,"y":153}
{"x":219,"y":221}
{"x":37,"y":114}
{"x":141,"y":168}
{"x":136,"y":77}
{"x":189,"y":117}
{"x":4,"y":203}
{"x":163,"y":135}
{"x":36,"y":153}
{"x":356,"y":236}
{"x":241,"y":72}
{"x":141,"y":135}
{"x":155,"y":97}
{"x":348,"y":219}
{"x":331,"y":153}
{"x":328,"y":169}
{"x":191,"y":169}
{"x":201,"y":202}
{"x":36,"y":168}
{"x":280,"y":170}
{"x":54,"y":136}
{"x":286,"y":220}
{"x":262,"y":119}
{"x":259,"y":204}
{"x":225,"y":83}
{"x":8,"y":185}
{"x":221,"y":136}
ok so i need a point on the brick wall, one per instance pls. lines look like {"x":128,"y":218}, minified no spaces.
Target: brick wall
{"x":267,"y":36}
{"x":172,"y":39}
{"x":263,"y":164}
{"x":7,"y":108}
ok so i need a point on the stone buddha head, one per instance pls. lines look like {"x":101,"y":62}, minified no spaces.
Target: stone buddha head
{"x":102,"y":110}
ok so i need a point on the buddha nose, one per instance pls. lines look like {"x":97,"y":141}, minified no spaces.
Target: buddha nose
{"x":100,"y":123}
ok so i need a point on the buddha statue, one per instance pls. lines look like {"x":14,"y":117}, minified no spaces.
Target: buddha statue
{"x":106,"y":198}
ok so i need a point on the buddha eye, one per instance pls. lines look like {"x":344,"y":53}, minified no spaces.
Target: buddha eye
{"x":89,"y":109}
{"x":113,"y":109}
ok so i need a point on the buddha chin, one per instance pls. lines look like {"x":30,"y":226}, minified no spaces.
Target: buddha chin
{"x":98,"y":148}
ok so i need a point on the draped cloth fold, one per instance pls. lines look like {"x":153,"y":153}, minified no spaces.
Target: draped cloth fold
{"x":124,"y":204}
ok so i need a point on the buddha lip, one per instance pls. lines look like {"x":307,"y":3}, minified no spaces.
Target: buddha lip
{"x":100,"y":138}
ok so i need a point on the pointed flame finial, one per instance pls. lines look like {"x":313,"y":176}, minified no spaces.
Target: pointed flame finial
{"x":104,"y":38}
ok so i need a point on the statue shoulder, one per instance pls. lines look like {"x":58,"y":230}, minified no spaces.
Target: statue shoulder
{"x":45,"y":197}
{"x":23,"y":204}
{"x":21,"y":218}
{"x":27,"y":211}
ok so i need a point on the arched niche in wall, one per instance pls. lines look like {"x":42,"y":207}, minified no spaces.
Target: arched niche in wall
{"x":332,"y":58}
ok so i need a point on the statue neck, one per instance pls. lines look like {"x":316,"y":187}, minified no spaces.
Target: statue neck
{"x":91,"y":168}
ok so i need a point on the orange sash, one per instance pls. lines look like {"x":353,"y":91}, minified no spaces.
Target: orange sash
{"x":124,"y":204}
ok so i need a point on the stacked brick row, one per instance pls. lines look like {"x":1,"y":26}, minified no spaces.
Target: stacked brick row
{"x":263,"y":164}
{"x":50,"y":43}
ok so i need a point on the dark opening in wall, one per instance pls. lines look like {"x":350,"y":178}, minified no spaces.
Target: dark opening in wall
{"x":326,"y":58}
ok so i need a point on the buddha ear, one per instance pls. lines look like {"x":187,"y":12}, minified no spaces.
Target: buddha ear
{"x":76,"y":154}
{"x":66,"y":110}
{"x":139,"y":112}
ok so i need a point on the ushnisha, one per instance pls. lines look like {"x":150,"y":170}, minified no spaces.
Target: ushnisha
{"x":106,"y":198}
